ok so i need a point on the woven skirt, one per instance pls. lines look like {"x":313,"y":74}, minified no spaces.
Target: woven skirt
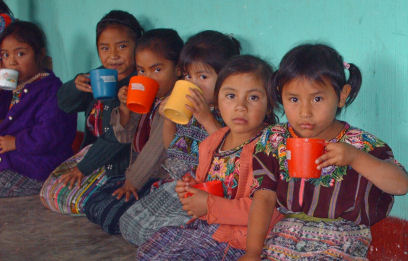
{"x":146,"y":216}
{"x":13,"y":184}
{"x":297,"y":239}
{"x":62,"y":199}
{"x":192,"y":242}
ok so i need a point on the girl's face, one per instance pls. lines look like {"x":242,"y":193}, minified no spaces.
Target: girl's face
{"x":310,"y":107}
{"x":158,"y":68}
{"x":243,"y":103}
{"x":21,"y":57}
{"x":116,"y":50}
{"x":204,"y":77}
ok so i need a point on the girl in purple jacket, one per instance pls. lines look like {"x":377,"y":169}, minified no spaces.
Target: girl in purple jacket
{"x":35,"y":135}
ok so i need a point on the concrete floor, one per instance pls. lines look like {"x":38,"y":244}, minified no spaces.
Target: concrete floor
{"x":29,"y":231}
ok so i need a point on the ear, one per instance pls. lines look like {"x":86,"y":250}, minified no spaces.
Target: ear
{"x":345,"y":92}
{"x":178,"y":72}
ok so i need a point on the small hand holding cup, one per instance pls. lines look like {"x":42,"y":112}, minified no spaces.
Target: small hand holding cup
{"x":83,"y":83}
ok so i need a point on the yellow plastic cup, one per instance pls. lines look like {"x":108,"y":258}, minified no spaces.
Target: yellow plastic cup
{"x":175,"y":108}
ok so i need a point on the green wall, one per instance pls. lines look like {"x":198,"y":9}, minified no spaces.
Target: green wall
{"x":373,"y":34}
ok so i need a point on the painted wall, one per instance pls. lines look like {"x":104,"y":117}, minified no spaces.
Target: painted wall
{"x":373,"y":34}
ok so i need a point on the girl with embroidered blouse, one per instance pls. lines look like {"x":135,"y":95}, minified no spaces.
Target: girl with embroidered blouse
{"x":245,"y":101}
{"x":102,"y":156}
{"x":200,"y":61}
{"x":35,"y":135}
{"x":359,"y":173}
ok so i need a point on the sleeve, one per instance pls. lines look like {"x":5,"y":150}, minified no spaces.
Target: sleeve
{"x":385,"y":153}
{"x":237,"y":214}
{"x":102,"y":151}
{"x":148,"y":163}
{"x":266,"y":172}
{"x":124,"y":134}
{"x":70,"y":99}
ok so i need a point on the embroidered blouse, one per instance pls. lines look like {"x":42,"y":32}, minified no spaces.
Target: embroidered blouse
{"x":339,"y":192}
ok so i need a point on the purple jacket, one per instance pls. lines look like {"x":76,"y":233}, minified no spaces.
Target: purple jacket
{"x":44,"y":133}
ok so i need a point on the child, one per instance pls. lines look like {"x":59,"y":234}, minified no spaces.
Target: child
{"x":201,"y":60}
{"x":359,"y":173}
{"x":246,"y":103}
{"x":157,"y":53}
{"x":116,"y":36}
{"x":35,"y":136}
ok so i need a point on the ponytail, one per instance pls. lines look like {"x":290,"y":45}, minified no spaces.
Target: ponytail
{"x":354,"y":81}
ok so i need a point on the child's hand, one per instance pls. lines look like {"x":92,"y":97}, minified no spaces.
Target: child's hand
{"x":7,"y":143}
{"x":200,"y":108}
{"x":249,"y":257}
{"x":82,"y":83}
{"x":122,"y":94}
{"x":127,"y":189}
{"x":337,"y":153}
{"x":195,"y":205}
{"x":183,"y":184}
{"x":74,"y":176}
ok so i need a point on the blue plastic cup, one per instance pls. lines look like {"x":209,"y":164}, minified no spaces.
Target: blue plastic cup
{"x":103,"y":83}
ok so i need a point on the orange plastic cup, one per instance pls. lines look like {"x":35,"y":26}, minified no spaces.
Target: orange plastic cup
{"x":175,"y":108}
{"x":141,"y":93}
{"x":213,"y":187}
{"x":301,"y":154}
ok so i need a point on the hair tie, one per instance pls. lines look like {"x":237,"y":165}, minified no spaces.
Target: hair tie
{"x":346,"y":65}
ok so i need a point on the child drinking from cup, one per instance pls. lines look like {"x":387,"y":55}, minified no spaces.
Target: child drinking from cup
{"x":69,"y":186}
{"x":157,"y":53}
{"x":246,"y":103}
{"x":35,"y":135}
{"x":359,"y":174}
{"x":201,"y":60}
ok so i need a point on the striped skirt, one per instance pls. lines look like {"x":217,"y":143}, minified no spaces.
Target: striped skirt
{"x":60,"y":198}
{"x":105,"y":210}
{"x":13,"y":184}
{"x":146,"y":216}
{"x":297,"y":239}
{"x":192,"y":242}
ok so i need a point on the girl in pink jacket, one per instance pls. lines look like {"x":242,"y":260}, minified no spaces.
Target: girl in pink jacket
{"x":218,"y":226}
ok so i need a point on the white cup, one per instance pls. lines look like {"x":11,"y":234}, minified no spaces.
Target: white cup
{"x":8,"y":79}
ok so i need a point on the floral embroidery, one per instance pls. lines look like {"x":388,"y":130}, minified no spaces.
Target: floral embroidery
{"x":273,"y":140}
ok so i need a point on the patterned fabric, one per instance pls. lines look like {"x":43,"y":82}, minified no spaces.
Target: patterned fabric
{"x":296,"y":239}
{"x":184,"y":146}
{"x":94,"y":120}
{"x":225,"y":167}
{"x":194,"y":242}
{"x":339,"y":192}
{"x":143,"y":128}
{"x":160,"y":208}
{"x":105,"y":210}
{"x":17,"y":92}
{"x":60,"y":198}
{"x":13,"y":184}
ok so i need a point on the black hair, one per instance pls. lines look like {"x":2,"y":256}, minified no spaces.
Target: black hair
{"x":118,"y":17}
{"x":29,"y":33}
{"x":261,"y":69}
{"x":165,"y":42}
{"x":209,"y":47}
{"x":4,"y":8}
{"x":318,"y":62}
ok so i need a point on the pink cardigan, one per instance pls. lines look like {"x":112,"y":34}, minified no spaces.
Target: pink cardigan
{"x":232,"y":215}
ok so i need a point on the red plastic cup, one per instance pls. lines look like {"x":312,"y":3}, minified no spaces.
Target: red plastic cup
{"x":213,"y":187}
{"x":141,"y":93}
{"x":301,"y":154}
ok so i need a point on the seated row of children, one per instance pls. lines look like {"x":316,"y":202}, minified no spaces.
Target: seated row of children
{"x":134,"y":170}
